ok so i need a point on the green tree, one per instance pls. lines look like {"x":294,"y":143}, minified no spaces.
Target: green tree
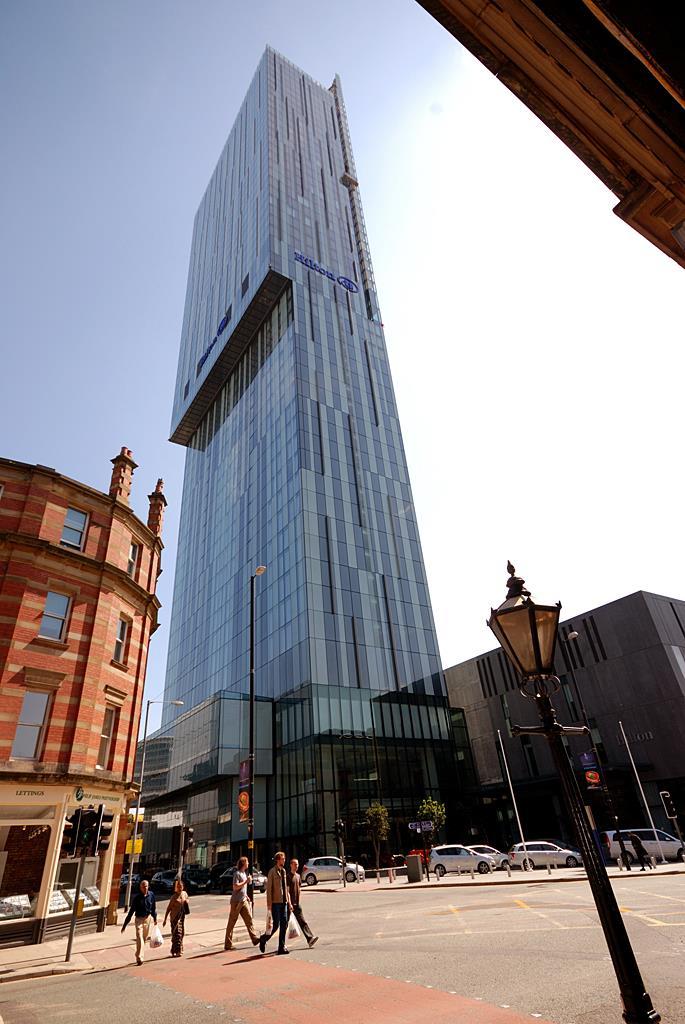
{"x":378,"y":824}
{"x":432,"y":810}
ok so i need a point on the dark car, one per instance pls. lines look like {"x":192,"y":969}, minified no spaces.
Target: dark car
{"x":217,"y":871}
{"x":226,"y":881}
{"x":195,"y":880}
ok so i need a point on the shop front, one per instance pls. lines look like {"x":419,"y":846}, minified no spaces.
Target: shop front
{"x":37,"y":882}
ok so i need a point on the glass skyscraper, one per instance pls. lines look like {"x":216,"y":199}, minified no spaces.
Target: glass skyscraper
{"x":285,"y":403}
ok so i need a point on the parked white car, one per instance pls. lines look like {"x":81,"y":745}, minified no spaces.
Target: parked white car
{"x":672,"y":847}
{"x":540,"y":854}
{"x":501,"y":859}
{"x":458,"y":858}
{"x":326,"y":869}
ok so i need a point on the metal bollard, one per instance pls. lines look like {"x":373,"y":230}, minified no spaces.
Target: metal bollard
{"x":472,"y":875}
{"x":508,"y":869}
{"x":549,"y":869}
{"x":652,"y":861}
{"x":619,"y":861}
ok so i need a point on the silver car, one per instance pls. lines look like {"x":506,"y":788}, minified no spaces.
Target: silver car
{"x":655,"y":845}
{"x":539,"y":854}
{"x":458,"y":859}
{"x":501,"y":859}
{"x":324,"y":869}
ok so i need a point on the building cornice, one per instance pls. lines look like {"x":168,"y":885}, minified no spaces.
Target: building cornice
{"x":114,"y":506}
{"x":106,"y":570}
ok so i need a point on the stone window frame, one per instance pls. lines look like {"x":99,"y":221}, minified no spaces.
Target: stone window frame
{"x":84,"y":533}
{"x":122,"y":644}
{"x":43,"y":681}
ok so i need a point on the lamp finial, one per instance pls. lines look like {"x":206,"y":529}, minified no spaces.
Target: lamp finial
{"x":516,"y":585}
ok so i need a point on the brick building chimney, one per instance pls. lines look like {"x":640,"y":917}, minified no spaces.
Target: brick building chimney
{"x":157,"y":505}
{"x":122,"y":474}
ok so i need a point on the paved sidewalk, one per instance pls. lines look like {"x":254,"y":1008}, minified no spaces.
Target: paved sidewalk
{"x":517,"y":877}
{"x":110,"y":950}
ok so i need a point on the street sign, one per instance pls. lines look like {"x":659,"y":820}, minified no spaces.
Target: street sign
{"x":421,"y":826}
{"x":588,"y":760}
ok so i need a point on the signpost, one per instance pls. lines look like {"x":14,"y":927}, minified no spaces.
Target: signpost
{"x":422,"y":827}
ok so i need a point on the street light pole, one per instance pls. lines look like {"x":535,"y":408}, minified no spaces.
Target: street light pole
{"x":177,"y":703}
{"x":259,"y":571}
{"x":625,"y":857}
{"x":642,"y":792}
{"x":528,"y":632}
{"x":526,"y":861}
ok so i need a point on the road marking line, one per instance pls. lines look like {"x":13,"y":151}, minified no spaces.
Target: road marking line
{"x":654,"y":921}
{"x":660,"y":896}
{"x":455,"y":910}
{"x":522,"y":904}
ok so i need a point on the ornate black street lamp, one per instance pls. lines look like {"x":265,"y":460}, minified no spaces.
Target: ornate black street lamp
{"x":528,"y":632}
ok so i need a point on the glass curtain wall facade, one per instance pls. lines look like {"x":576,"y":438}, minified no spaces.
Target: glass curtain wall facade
{"x":295,"y":461}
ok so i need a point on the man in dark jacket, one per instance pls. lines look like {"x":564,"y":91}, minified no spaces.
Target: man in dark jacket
{"x":277,"y":902}
{"x":640,"y":852}
{"x":294,"y":884}
{"x":144,"y":906}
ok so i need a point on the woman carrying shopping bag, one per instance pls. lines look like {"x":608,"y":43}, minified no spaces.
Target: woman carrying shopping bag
{"x":176,"y":910}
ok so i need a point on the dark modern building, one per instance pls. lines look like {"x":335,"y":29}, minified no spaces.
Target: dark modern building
{"x":295,"y":461}
{"x":627,"y":664}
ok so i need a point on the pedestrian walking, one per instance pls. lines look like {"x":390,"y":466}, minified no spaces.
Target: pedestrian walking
{"x":277,"y":903}
{"x":177,"y":908}
{"x":294,"y":887}
{"x":640,"y":851}
{"x":144,"y":907}
{"x":240,"y":905}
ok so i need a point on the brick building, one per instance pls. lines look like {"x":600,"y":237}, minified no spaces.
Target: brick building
{"x":78,"y":574}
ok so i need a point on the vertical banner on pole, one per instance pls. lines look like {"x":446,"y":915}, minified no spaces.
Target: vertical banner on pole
{"x":243,"y":791}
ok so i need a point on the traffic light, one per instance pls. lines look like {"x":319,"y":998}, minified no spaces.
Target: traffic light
{"x":103,"y":830}
{"x":339,"y":828}
{"x":669,"y":806}
{"x":188,"y":840}
{"x":87,"y":832}
{"x":70,"y":834}
{"x":177,"y":840}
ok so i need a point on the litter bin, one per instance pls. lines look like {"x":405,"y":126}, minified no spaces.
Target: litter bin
{"x":414,"y":869}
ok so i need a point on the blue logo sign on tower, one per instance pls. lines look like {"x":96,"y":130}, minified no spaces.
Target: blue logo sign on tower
{"x":313,"y":265}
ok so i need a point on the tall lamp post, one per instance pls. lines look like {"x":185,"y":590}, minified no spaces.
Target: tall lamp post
{"x":527,"y":633}
{"x":259,"y":571}
{"x":178,"y":704}
{"x":625,"y":857}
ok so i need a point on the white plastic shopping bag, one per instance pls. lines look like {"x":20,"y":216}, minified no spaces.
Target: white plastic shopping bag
{"x":269,"y":923}
{"x":156,"y":938}
{"x":293,"y":929}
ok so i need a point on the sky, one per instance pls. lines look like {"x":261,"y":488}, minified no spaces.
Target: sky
{"x":536,"y":341}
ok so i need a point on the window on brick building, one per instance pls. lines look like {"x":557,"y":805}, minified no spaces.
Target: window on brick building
{"x":28,"y":739}
{"x":120,"y":642}
{"x":107,"y":737}
{"x":53,"y":625}
{"x":134,"y":550}
{"x":74,"y":529}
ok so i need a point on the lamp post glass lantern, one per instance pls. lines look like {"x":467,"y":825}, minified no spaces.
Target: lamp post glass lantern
{"x":528,"y":633}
